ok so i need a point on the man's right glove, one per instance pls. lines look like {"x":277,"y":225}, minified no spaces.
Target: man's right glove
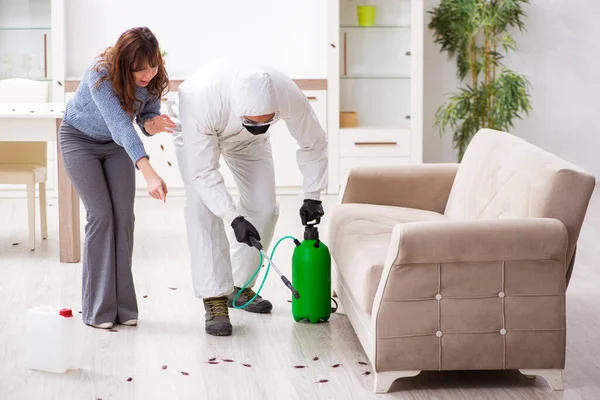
{"x":311,"y":210}
{"x":243,"y":230}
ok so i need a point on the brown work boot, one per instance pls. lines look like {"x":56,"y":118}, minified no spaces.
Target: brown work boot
{"x":217,"y":316}
{"x":259,"y":305}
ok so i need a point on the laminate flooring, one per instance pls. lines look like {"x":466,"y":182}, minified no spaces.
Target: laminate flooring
{"x":171,"y":330}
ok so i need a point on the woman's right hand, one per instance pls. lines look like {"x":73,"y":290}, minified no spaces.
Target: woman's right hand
{"x":157,"y":188}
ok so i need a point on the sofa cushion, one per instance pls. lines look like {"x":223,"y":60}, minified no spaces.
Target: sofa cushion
{"x":503,"y":176}
{"x":359,"y":244}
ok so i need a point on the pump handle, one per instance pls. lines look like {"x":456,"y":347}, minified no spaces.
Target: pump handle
{"x":312,"y":224}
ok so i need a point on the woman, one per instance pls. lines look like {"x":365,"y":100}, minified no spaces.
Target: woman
{"x":100,"y":148}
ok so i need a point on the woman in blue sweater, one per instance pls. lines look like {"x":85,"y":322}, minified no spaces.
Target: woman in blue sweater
{"x":101,"y":150}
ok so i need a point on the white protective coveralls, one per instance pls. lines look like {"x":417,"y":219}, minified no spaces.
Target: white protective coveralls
{"x":211,"y":103}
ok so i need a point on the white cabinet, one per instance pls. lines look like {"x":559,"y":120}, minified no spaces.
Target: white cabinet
{"x":287,"y":174}
{"x":374,"y":143}
{"x":288,"y":177}
{"x":161,"y":150}
{"x":375,"y":70}
{"x":32,"y":42}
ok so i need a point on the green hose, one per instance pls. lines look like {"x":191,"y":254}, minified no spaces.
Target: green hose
{"x":255,"y":274}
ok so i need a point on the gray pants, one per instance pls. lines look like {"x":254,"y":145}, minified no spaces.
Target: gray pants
{"x":104,"y":177}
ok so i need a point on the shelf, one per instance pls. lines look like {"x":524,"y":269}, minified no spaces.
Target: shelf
{"x":388,"y":77}
{"x":375,"y":27}
{"x":26,"y":29}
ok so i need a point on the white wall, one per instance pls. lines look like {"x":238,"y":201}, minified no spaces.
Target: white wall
{"x":289,"y":34}
{"x":439,"y":78}
{"x":560,"y":55}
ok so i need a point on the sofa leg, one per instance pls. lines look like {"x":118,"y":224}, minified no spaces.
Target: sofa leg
{"x":554,"y":377}
{"x":384,"y":380}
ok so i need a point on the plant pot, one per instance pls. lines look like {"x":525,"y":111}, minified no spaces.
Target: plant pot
{"x":348,"y":119}
{"x":366,"y":15}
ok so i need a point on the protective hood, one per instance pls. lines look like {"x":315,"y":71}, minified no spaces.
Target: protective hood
{"x":253,"y":93}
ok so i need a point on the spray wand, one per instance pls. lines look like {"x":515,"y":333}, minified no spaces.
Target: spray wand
{"x":285,"y":280}
{"x":263,"y":256}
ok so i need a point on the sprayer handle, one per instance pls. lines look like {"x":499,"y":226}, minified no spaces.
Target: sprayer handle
{"x":255,"y":243}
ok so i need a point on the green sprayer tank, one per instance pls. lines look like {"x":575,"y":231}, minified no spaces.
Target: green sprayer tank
{"x":311,"y":277}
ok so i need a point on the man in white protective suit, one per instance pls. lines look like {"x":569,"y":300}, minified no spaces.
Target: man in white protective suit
{"x":226,"y":110}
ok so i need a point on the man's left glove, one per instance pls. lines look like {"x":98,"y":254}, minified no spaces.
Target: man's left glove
{"x":311,"y":210}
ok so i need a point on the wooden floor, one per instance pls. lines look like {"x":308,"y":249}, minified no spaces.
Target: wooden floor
{"x":171,"y":330}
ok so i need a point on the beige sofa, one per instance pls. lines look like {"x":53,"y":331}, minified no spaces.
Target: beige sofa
{"x":461,"y":267}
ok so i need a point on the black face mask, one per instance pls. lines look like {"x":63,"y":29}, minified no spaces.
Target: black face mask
{"x":257,"y":130}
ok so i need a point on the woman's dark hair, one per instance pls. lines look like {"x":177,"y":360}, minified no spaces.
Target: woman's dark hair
{"x":136,"y":48}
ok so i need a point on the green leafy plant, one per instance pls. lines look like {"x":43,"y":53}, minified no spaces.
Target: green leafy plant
{"x":473,"y":32}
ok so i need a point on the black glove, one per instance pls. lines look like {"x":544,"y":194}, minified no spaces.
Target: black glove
{"x":243,"y":230}
{"x":311,"y":210}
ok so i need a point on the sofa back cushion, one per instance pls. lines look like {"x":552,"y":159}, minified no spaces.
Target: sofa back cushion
{"x":503,"y":176}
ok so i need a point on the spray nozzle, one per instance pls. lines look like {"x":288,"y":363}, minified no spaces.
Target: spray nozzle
{"x":289,"y":285}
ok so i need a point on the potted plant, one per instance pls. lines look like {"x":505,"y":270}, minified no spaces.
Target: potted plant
{"x":474,"y":33}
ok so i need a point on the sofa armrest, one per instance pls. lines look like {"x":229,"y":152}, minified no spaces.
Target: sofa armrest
{"x":423,"y":186}
{"x":480,"y":240}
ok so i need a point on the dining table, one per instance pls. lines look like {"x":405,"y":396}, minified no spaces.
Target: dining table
{"x":39,"y":122}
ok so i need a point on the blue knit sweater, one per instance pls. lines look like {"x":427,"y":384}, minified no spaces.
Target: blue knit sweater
{"x":97,"y":113}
